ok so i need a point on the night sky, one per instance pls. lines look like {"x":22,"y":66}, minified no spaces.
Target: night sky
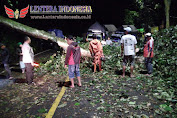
{"x":103,"y":11}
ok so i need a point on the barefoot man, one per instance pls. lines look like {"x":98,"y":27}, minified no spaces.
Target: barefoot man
{"x":96,"y":51}
{"x":128,"y":47}
{"x":72,"y":59}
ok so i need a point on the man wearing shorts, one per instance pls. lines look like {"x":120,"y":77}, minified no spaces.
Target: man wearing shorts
{"x":128,"y":47}
{"x":72,"y":59}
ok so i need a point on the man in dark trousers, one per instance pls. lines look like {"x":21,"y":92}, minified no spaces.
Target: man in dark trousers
{"x":72,"y":59}
{"x":148,"y":52}
{"x":28,"y":56}
{"x":5,"y":60}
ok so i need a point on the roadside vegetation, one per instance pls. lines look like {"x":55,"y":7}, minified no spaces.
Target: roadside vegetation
{"x":104,"y":94}
{"x":160,"y":87}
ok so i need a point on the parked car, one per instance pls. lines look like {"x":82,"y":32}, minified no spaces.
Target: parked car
{"x":117,"y":36}
{"x":90,"y":38}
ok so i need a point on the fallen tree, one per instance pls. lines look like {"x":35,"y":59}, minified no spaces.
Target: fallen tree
{"x":41,"y":34}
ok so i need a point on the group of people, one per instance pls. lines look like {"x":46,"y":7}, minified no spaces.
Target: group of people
{"x":26,"y":59}
{"x":128,"y":52}
{"x":107,"y":42}
{"x":73,"y":55}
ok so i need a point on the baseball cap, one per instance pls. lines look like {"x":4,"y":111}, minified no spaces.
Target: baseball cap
{"x":148,"y":35}
{"x":19,"y":43}
{"x":128,"y":29}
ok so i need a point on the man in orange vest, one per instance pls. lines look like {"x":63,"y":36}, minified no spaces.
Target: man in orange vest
{"x":148,"y":52}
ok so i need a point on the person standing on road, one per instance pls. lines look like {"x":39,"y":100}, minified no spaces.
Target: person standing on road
{"x":128,"y":47}
{"x":28,"y":60}
{"x":72,"y":59}
{"x":20,"y":55}
{"x":5,"y":60}
{"x":96,"y":50}
{"x":103,"y":42}
{"x":148,"y":52}
{"x":108,"y":41}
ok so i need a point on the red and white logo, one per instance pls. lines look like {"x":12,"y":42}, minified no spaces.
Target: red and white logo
{"x":16,"y":14}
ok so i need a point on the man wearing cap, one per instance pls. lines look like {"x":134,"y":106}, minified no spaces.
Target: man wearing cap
{"x":5,"y":60}
{"x":72,"y":59}
{"x":20,"y":55}
{"x":28,"y":60}
{"x":128,"y":47}
{"x":148,"y":52}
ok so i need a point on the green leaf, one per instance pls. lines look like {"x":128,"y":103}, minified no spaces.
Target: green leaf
{"x":77,"y":104}
{"x":144,"y":116}
{"x":165,"y":108}
{"x":132,"y":103}
{"x":43,"y":110}
{"x":62,"y":105}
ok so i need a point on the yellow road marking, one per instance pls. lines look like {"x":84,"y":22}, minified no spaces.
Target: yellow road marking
{"x":57,"y":101}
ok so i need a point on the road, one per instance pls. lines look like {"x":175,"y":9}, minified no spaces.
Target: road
{"x":16,"y":72}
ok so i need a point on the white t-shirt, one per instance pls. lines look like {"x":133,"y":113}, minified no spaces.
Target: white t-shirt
{"x":151,"y":41}
{"x":103,"y":43}
{"x":129,"y":42}
{"x":28,"y":54}
{"x":108,"y":42}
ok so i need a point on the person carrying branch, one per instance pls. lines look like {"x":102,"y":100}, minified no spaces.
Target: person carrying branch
{"x":72,"y":59}
{"x":148,"y":52}
{"x":96,"y":51}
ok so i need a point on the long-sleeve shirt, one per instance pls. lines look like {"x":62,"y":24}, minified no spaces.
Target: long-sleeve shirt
{"x":28,"y":54}
{"x":96,"y":49}
{"x":73,"y":54}
{"x":148,"y":48}
{"x":5,"y":56}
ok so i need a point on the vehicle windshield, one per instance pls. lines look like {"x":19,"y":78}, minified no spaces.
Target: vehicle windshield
{"x":98,"y":37}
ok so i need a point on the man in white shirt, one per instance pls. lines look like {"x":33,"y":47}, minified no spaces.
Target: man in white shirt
{"x":28,"y":57}
{"x":128,"y":47}
{"x":108,"y":41}
{"x":103,"y":42}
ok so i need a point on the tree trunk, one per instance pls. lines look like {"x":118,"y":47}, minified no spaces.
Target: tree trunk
{"x":167,"y":12}
{"x":37,"y":33}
